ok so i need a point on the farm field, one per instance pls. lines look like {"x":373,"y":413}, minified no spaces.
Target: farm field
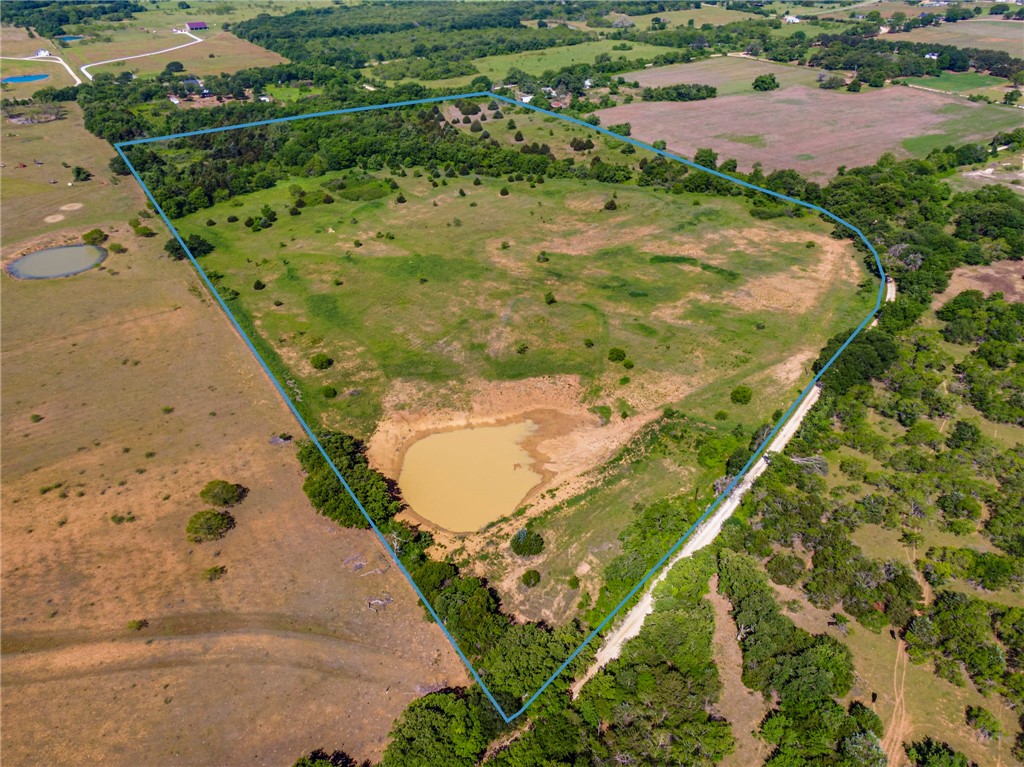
{"x":993,"y":33}
{"x":106,"y":543}
{"x":220,"y":52}
{"x":964,"y":83}
{"x":901,"y":120}
{"x":729,"y":74}
{"x":435,"y":317}
{"x":537,"y":62}
{"x":58,"y":77}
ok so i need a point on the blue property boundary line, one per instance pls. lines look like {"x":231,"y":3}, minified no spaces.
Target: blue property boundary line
{"x":309,"y":431}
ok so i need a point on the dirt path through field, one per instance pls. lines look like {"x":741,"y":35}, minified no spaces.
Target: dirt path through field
{"x":897,"y":728}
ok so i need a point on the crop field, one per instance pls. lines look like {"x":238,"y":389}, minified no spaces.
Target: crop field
{"x":460,"y":301}
{"x":95,"y":504}
{"x":905,"y":121}
{"x":995,"y":34}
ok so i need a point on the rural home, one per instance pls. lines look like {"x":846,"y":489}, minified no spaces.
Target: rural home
{"x":193,"y":26}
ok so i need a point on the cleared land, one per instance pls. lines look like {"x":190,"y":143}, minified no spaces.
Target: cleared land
{"x":1006,"y":277}
{"x":708,"y":14}
{"x":995,"y":34}
{"x":220,"y":52}
{"x":729,"y":74}
{"x":142,"y":394}
{"x":58,"y":77}
{"x":435,"y":315}
{"x":848,"y":129}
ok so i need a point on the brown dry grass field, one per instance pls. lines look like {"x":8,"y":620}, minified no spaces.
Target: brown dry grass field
{"x":808,"y":129}
{"x":142,"y":393}
{"x":986,"y":32}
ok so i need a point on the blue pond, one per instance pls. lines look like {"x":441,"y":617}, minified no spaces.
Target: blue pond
{"x":61,"y":261}
{"x":24,"y":79}
{"x":70,"y":38}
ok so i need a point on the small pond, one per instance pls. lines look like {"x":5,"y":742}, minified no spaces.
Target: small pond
{"x":70,"y":38}
{"x":461,"y":480}
{"x":63,"y":261}
{"x":23,"y":78}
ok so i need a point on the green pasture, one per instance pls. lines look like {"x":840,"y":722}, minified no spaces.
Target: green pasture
{"x":958,"y":82}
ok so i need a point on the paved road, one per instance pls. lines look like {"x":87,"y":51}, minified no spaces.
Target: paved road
{"x":85,"y":68}
{"x":49,"y":60}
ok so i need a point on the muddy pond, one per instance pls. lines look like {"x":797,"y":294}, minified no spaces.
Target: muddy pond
{"x":464,"y":479}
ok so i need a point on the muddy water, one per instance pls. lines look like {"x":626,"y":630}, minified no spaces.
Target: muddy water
{"x":461,"y":480}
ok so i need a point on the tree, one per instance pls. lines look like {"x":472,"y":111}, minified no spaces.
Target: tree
{"x":527,"y":543}
{"x":531,"y":578}
{"x":615,"y":354}
{"x":965,"y":434}
{"x":78,"y":173}
{"x":208,"y":525}
{"x":765,"y":83}
{"x":437,"y":729}
{"x":741,"y":395}
{"x":320,"y":361}
{"x":983,"y":721}
{"x":219,"y":492}
{"x":931,"y":753}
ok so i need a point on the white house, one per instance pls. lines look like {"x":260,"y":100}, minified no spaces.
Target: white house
{"x":932,"y":56}
{"x":42,"y":52}
{"x":791,"y":19}
{"x":526,"y":98}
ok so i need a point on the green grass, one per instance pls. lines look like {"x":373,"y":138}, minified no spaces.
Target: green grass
{"x":957,"y":82}
{"x":962,"y":122}
{"x":756,"y":139}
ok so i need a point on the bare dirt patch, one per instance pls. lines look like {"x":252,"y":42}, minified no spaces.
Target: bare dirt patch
{"x":53,"y":219}
{"x":72,"y":206}
{"x":1006,"y":277}
{"x":878,"y":121}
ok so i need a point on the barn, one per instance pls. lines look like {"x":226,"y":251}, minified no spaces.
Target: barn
{"x":193,"y":26}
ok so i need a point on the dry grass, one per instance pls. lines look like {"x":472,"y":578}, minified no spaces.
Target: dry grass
{"x":991,"y":33}
{"x":277,"y":657}
{"x":229,"y":54}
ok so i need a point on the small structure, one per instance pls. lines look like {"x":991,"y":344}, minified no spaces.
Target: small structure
{"x":42,"y":52}
{"x":194,"y":26}
{"x":791,"y":19}
{"x":932,"y":56}
{"x":623,"y":22}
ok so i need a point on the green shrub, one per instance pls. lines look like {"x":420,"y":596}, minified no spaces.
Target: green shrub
{"x":549,"y":298}
{"x":232,"y":219}
{"x":259,"y":285}
{"x":504,"y":191}
{"x":320,"y":361}
{"x":531,"y":578}
{"x":116,"y":247}
{"x":138,"y":624}
{"x":615,"y":354}
{"x":208,"y":525}
{"x":329,"y":392}
{"x":527,"y":543}
{"x":214,"y":573}
{"x":94,"y":237}
{"x":219,"y":492}
{"x":785,"y":569}
{"x":574,"y":582}
{"x":741,"y":395}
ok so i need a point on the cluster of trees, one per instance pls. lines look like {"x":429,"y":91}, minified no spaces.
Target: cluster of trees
{"x":49,"y":17}
{"x":805,"y":673}
{"x":681,"y":92}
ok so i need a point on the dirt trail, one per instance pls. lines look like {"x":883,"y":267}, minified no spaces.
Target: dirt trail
{"x":896,"y":729}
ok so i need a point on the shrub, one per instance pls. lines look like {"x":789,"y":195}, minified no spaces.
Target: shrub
{"x":542,"y":257}
{"x":94,"y":237}
{"x":741,"y":395}
{"x":232,"y":219}
{"x":209,"y":525}
{"x":549,"y":298}
{"x":78,"y":173}
{"x":138,"y":624}
{"x":628,"y":364}
{"x":400,"y":199}
{"x":531,"y":578}
{"x":785,"y":569}
{"x":854,"y":87}
{"x":258,"y":285}
{"x":35,"y":418}
{"x":219,"y":492}
{"x":574,"y":582}
{"x":610,"y":205}
{"x":214,"y":573}
{"x":294,"y":211}
{"x":320,"y":361}
{"x":504,"y":191}
{"x":211,"y":222}
{"x":519,"y":135}
{"x":615,"y":354}
{"x":329,"y":392}
{"x":765,"y":83}
{"x":721,"y":415}
{"x":248,"y":222}
{"x":526,"y":543}
{"x":588,"y":342}
{"x":116,"y":247}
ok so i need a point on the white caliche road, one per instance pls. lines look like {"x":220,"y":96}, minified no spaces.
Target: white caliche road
{"x":633,"y":621}
{"x":85,"y":69}
{"x":48,"y":60}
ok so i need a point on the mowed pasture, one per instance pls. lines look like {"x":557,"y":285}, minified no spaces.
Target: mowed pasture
{"x":811,"y":130}
{"x":538,"y":62}
{"x":220,"y":52}
{"x":992,"y":33}
{"x":707,"y":14}
{"x":729,"y":74}
{"x":125,"y":390}
{"x":57,"y":77}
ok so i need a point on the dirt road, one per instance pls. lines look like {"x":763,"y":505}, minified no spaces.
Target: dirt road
{"x":705,"y":534}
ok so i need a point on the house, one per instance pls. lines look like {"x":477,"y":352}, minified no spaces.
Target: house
{"x":791,"y":19}
{"x":42,"y":52}
{"x":932,"y":56}
{"x":526,"y":98}
{"x":194,"y":26}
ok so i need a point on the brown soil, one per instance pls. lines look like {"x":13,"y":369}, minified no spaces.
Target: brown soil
{"x":882,"y":120}
{"x":742,"y":707}
{"x":1006,"y":277}
{"x":145,"y":393}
